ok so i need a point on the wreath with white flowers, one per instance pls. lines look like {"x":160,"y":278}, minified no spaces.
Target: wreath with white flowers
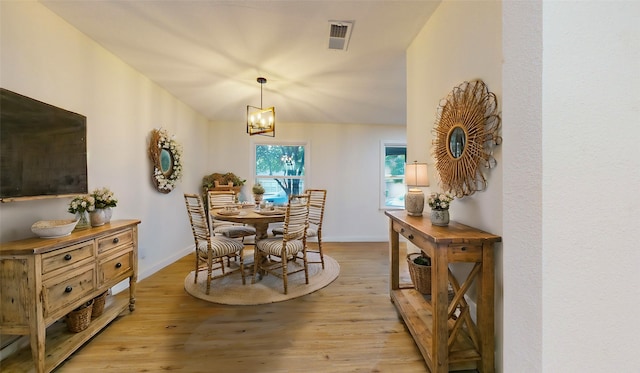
{"x":165,"y":154}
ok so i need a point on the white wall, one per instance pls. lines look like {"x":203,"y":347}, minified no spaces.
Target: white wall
{"x":343,"y":158}
{"x":57,"y":64}
{"x":522,"y":199}
{"x":460,"y":42}
{"x":591,"y":185}
{"x":571,"y":169}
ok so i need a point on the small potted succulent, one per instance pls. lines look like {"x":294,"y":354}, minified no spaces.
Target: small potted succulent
{"x":258,"y":192}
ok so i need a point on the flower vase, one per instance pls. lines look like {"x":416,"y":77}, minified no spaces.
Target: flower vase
{"x":108,"y":212}
{"x":83,"y":221}
{"x":258,"y":198}
{"x":97,"y":217}
{"x":440,"y":217}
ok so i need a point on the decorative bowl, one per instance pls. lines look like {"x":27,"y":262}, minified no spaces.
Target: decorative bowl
{"x":53,"y":228}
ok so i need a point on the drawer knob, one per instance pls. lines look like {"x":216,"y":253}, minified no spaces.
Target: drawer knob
{"x":116,"y":240}
{"x":401,"y":230}
{"x":410,"y":237}
{"x":68,"y":289}
{"x":463,"y":248}
{"x":67,"y":257}
{"x":118,"y":265}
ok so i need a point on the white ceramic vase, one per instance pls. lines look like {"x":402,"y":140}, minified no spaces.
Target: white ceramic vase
{"x":440,"y":217}
{"x":97,"y":217}
{"x":108,"y":212}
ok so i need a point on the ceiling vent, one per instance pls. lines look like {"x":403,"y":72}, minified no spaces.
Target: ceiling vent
{"x":339,"y":34}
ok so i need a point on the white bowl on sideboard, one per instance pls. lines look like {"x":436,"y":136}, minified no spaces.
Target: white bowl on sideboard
{"x":53,"y":228}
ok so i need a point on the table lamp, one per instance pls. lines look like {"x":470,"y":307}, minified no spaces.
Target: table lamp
{"x":415,"y":175}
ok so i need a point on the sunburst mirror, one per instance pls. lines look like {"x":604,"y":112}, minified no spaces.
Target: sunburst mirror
{"x":467,"y":129}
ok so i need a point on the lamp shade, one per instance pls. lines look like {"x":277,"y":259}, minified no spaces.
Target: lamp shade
{"x":415,"y":174}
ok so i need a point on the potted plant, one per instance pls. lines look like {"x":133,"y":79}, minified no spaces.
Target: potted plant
{"x":104,"y":200}
{"x":218,"y":180}
{"x":79,"y":206}
{"x":439,"y":203}
{"x":258,"y":192}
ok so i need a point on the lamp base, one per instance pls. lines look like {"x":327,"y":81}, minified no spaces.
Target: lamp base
{"x":414,"y":202}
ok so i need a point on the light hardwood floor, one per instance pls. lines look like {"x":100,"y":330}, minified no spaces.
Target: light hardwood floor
{"x":349,"y":326}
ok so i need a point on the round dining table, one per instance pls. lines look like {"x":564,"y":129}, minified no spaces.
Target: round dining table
{"x":259,"y":219}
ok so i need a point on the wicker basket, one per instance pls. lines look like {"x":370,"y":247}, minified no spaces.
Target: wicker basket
{"x":98,"y":305}
{"x":420,"y":275}
{"x":79,"y":319}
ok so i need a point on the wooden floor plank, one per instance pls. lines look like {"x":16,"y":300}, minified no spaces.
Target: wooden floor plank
{"x":349,"y":326}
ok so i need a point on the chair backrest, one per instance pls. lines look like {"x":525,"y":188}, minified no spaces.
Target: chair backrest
{"x":197,"y":217}
{"x":296,"y":220}
{"x":216,"y":198}
{"x":317,"y":199}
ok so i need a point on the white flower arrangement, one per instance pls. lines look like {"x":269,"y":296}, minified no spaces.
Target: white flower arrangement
{"x":440,"y":201}
{"x":165,"y":181}
{"x":104,"y":198}
{"x":81,"y":204}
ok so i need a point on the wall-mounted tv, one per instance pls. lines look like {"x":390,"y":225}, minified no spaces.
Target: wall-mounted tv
{"x":43,"y":149}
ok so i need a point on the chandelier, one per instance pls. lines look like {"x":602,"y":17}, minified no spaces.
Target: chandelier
{"x":261,"y":121}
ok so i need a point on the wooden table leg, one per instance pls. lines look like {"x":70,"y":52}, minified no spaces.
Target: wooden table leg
{"x":485,"y":314}
{"x":394,"y":246}
{"x":440,"y":303}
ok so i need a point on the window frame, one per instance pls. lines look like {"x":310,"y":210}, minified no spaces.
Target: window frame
{"x":305,"y":144}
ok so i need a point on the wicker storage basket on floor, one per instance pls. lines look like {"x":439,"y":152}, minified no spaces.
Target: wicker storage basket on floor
{"x":420,"y":275}
{"x":80,"y":318}
{"x":98,"y":305}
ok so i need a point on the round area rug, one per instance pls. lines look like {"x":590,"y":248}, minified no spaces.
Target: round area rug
{"x":269,"y":289}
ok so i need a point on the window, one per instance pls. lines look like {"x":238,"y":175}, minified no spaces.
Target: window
{"x":393,"y":187}
{"x":281,"y":170}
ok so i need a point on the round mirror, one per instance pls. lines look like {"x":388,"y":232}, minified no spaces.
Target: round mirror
{"x":457,"y":140}
{"x":166,"y":161}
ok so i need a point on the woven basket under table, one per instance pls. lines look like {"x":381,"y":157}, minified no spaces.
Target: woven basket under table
{"x":420,"y":274}
{"x":79,"y":319}
{"x":98,"y":305}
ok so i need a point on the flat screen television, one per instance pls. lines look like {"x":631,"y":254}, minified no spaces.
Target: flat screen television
{"x":43,"y":149}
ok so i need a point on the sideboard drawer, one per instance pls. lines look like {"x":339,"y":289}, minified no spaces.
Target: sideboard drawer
{"x":115,"y":268}
{"x":66,"y":257}
{"x":120,"y":238}
{"x":63,"y":290}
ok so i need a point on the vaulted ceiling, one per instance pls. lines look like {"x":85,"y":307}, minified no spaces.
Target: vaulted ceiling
{"x":209,"y":53}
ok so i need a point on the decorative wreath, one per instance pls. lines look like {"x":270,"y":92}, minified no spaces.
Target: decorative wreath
{"x":165,"y":154}
{"x":467,"y":127}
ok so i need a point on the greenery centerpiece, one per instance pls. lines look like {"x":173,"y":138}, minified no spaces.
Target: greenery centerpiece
{"x":258,"y":192}
{"x":222,"y":180}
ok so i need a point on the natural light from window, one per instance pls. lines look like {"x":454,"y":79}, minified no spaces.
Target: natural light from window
{"x":281,"y":170}
{"x":393,"y":186}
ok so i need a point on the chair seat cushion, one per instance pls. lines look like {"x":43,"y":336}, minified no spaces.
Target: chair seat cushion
{"x":235,"y":231}
{"x":220,"y":246}
{"x":273,"y":246}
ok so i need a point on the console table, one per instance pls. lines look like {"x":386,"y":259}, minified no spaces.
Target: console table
{"x":444,"y":330}
{"x":42,"y":280}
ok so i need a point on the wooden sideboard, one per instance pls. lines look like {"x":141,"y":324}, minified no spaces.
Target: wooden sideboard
{"x":445,"y":331}
{"x":42,"y":280}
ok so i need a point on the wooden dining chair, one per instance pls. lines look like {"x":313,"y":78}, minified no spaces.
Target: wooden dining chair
{"x":217,"y":199}
{"x":210,"y":250}
{"x":317,"y":200}
{"x":272,"y":255}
